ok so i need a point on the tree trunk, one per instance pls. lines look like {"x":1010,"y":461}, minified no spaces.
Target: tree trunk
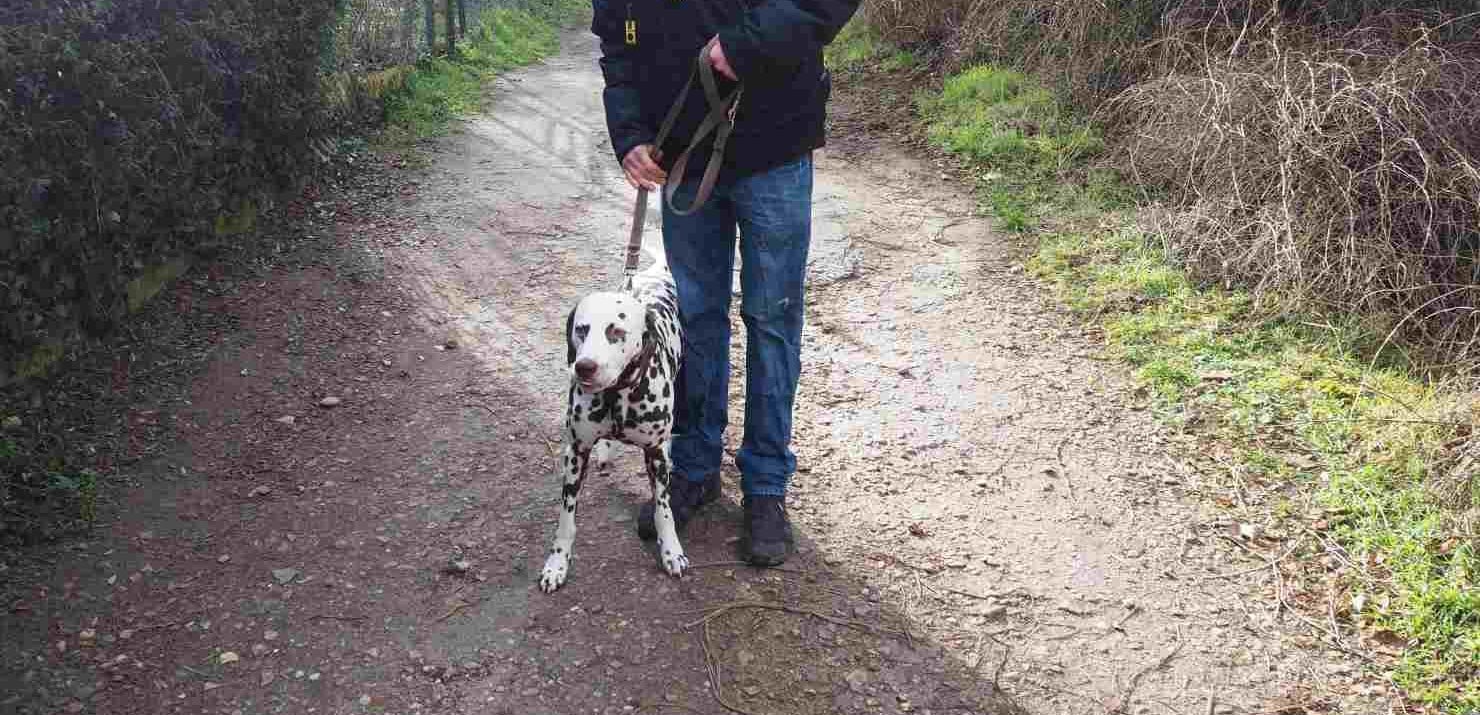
{"x":408,"y":31}
{"x":429,"y":7}
{"x":462,"y":18}
{"x":451,"y":31}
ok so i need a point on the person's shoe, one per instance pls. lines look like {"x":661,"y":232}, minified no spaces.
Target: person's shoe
{"x":767,"y":530}
{"x":685,"y":497}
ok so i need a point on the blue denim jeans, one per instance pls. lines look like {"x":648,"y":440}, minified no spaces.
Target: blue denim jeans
{"x":772,"y":211}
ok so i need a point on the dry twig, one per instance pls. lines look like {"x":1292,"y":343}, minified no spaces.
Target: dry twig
{"x":717,"y":611}
{"x":1268,"y":564}
{"x":1130,"y":689}
{"x":711,"y":664}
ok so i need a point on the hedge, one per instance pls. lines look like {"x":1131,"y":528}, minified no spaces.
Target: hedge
{"x":131,"y":133}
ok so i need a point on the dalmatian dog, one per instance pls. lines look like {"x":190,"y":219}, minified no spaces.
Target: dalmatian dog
{"x":623,"y":350}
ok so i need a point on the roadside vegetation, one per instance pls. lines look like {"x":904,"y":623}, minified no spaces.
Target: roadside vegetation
{"x":1271,"y":218}
{"x":92,"y":188}
{"x":422,"y":101}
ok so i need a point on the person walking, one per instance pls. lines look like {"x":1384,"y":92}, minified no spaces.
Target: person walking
{"x":763,"y":194}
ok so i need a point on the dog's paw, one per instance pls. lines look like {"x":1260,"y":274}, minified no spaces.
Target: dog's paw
{"x":674,"y":561}
{"x":553,"y":575}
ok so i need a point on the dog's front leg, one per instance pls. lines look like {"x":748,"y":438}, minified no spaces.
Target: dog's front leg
{"x":670,"y":551}
{"x":573,"y":459}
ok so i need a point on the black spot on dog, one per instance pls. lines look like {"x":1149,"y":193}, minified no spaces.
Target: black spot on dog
{"x":657,"y":414}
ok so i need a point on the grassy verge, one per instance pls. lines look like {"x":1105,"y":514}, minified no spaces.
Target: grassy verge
{"x":45,"y":491}
{"x":1354,"y":451}
{"x":1351,"y":457}
{"x":858,"y":47}
{"x":440,"y":89}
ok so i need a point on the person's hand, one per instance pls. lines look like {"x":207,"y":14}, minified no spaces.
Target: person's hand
{"x":719,"y":62}
{"x":642,"y":169}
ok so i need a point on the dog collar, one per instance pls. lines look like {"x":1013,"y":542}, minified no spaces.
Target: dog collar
{"x":633,"y":373}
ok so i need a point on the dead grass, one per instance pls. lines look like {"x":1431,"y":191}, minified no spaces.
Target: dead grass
{"x":1325,"y":155}
{"x":1084,"y":50}
{"x":1343,"y":172}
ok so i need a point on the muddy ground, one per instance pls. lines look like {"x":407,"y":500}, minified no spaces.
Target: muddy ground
{"x":989,"y":521}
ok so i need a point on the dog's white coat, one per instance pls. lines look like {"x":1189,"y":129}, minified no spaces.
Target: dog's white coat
{"x":610,"y":330}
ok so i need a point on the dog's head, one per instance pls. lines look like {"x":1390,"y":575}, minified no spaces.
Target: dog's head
{"x":604,"y":333}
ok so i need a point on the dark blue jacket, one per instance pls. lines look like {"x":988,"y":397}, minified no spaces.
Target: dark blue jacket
{"x":648,"y":49}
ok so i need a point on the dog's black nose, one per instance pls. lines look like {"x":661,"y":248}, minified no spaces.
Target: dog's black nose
{"x":585,"y":368}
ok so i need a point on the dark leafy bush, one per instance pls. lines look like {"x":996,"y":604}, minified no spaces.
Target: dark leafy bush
{"x":131,"y":132}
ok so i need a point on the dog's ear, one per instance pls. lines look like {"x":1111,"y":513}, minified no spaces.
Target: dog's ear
{"x":570,"y":348}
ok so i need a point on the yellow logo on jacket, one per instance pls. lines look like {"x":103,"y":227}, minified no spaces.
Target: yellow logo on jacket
{"x":631,"y":32}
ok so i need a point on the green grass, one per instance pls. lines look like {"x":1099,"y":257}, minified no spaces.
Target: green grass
{"x":899,"y":60}
{"x":1014,"y":129}
{"x":859,"y":46}
{"x":1349,"y":443}
{"x":441,"y":89}
{"x":999,"y":118}
{"x":1363,"y":437}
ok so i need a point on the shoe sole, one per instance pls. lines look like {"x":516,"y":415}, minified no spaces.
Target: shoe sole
{"x":765,"y":560}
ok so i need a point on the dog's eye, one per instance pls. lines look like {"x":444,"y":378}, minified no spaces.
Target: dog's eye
{"x":582,"y":331}
{"x":614,"y":333}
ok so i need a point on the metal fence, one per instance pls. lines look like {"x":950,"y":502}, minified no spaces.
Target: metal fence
{"x":375,"y":34}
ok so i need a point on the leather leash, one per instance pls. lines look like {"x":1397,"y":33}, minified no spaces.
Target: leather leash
{"x":720,"y":120}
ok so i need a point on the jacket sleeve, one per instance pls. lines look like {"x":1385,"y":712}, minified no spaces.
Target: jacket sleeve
{"x":624,"y":117}
{"x":776,"y":34}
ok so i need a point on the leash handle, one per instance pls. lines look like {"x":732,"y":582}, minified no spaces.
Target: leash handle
{"x":720,"y":120}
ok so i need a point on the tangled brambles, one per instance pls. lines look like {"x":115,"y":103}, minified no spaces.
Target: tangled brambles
{"x":1343,"y":171}
{"x":1083,"y":50}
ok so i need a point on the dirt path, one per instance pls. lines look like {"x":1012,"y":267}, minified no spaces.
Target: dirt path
{"x":980,"y":505}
